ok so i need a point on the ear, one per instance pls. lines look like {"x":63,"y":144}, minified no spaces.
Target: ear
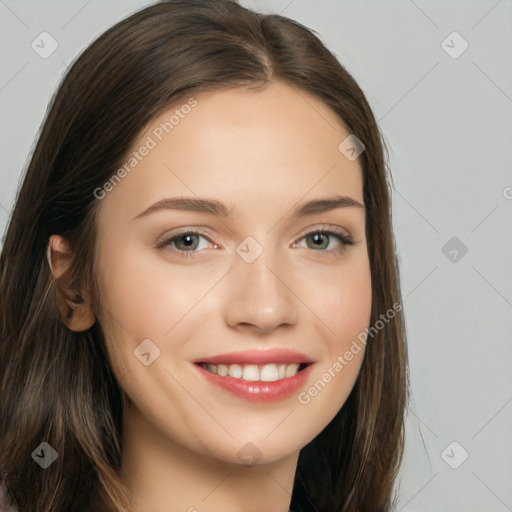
{"x":74,"y":305}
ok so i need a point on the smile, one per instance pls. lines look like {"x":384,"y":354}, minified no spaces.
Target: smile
{"x":257,"y":390}
{"x":253,"y":372}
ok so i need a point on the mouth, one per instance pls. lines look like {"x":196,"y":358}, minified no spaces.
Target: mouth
{"x":269,"y":372}
{"x":257,"y":375}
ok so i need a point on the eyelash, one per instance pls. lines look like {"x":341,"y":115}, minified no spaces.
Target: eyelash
{"x":344,"y":239}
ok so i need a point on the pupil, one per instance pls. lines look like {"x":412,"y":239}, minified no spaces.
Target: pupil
{"x":187,"y":240}
{"x":318,"y":238}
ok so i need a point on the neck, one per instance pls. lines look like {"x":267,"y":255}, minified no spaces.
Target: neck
{"x":164,"y":476}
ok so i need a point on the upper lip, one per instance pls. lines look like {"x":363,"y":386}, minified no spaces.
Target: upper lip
{"x":277,"y":355}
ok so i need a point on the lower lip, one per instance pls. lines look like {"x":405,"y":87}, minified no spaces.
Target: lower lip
{"x":258,"y":391}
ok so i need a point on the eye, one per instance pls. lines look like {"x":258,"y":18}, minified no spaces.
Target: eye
{"x":185,"y":244}
{"x":321,"y":239}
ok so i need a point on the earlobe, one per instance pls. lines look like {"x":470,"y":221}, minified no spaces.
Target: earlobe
{"x":74,"y":306}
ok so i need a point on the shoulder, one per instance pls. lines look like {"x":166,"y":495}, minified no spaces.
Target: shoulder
{"x":6,"y":502}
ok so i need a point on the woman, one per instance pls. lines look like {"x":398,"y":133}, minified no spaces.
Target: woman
{"x":265,"y":369}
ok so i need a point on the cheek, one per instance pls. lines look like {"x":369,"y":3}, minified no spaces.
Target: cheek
{"x":351,"y":309}
{"x":340,"y":300}
{"x":146,"y":295}
{"x":342,"y":312}
{"x":141,"y":298}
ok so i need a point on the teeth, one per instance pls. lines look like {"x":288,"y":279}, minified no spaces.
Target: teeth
{"x":291,"y":370}
{"x":211,"y":368}
{"x":269,"y":373}
{"x":254,"y":372}
{"x":235,"y":370}
{"x":250,"y":372}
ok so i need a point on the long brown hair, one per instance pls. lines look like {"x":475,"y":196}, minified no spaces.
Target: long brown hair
{"x":57,"y":385}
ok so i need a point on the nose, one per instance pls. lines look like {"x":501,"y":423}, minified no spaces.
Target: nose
{"x":259,"y":296}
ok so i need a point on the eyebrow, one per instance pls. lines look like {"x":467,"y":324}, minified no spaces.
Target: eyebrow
{"x":218,"y":208}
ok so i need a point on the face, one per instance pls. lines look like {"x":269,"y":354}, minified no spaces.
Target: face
{"x":264,"y":285}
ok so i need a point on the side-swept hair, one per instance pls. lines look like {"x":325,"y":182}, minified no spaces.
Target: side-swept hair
{"x":57,"y":385}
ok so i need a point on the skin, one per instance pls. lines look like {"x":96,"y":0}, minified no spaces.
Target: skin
{"x":264,"y":152}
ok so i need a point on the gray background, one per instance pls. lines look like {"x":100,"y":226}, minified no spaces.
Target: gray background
{"x":447,"y":123}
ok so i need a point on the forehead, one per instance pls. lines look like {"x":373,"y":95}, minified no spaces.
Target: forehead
{"x":277,"y":143}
